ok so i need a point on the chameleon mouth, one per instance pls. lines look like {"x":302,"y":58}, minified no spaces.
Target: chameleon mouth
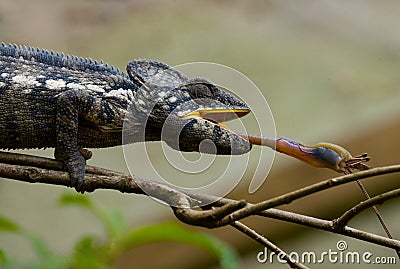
{"x":218,"y":116}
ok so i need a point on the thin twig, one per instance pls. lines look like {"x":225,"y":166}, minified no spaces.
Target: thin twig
{"x":266,"y":243}
{"x":328,"y":225}
{"x":352,"y":212}
{"x":312,"y":222}
{"x":377,"y":213}
{"x":297,"y":194}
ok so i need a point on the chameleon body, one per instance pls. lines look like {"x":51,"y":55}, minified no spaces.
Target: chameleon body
{"x":68,"y":103}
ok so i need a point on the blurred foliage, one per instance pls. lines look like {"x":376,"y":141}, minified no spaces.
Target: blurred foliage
{"x":328,"y":69}
{"x":98,"y":252}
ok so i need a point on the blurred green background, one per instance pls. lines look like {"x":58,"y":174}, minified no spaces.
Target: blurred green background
{"x":328,"y":69}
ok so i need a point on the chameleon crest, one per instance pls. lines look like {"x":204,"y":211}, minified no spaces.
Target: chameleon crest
{"x":54,"y":100}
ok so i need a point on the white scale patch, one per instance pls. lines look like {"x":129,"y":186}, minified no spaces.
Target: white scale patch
{"x":172,"y":99}
{"x":124,"y":94}
{"x":2,"y":84}
{"x":25,"y":81}
{"x":116,"y":93}
{"x":75,"y":86}
{"x":129,"y":94}
{"x":55,"y":84}
{"x":95,"y":88}
{"x":182,"y":113}
{"x":4,"y":75}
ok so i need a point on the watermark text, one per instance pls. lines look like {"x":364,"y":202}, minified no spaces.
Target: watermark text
{"x":340,"y":255}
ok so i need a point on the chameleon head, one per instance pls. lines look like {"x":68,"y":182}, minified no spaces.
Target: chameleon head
{"x":187,"y":114}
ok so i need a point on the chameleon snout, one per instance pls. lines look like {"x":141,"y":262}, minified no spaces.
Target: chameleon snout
{"x":204,"y":131}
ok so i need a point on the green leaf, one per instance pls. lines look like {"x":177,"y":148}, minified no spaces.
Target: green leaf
{"x":114,"y":222}
{"x":8,"y":225}
{"x":88,"y":254}
{"x":176,"y":233}
{"x":75,"y":199}
{"x":5,"y":263}
{"x":39,"y":246}
{"x":51,"y":262}
{"x":2,"y":257}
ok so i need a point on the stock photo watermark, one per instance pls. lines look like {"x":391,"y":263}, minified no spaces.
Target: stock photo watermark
{"x":339,"y":255}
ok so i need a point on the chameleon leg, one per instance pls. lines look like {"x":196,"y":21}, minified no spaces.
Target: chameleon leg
{"x":70,"y":105}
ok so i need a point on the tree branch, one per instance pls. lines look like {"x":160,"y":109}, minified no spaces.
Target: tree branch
{"x":251,"y":209}
{"x":342,"y":221}
{"x":206,"y":210}
{"x":328,"y":225}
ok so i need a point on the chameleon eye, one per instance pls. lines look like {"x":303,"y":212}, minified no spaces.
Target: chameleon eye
{"x":200,"y":90}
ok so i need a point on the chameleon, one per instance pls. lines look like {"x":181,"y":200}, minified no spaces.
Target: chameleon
{"x":70,"y":103}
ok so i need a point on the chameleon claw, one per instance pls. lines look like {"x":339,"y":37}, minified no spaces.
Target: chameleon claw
{"x":87,"y":154}
{"x":76,"y":168}
{"x":75,"y":164}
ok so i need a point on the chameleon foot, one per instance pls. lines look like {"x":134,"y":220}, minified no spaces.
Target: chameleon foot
{"x":76,"y":168}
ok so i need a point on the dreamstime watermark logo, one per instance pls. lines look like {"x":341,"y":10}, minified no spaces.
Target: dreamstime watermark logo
{"x":340,"y":255}
{"x":160,"y":111}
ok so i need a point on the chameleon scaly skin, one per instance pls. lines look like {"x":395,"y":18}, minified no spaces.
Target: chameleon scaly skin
{"x":68,"y":103}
